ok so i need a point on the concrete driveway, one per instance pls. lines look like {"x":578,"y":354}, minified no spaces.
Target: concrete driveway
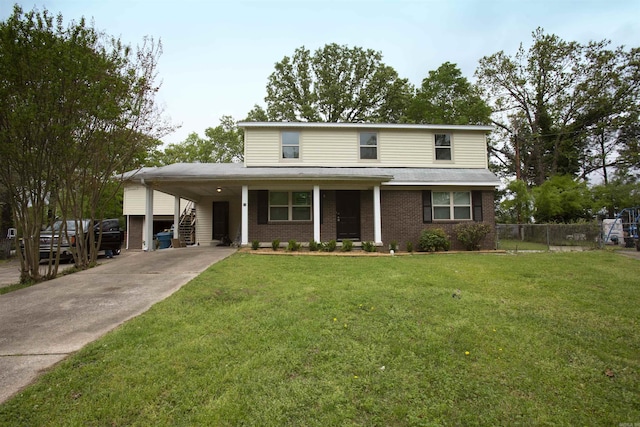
{"x":43,"y":324}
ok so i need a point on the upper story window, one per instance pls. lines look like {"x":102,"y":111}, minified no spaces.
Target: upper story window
{"x":290,"y":145}
{"x":451,"y":205}
{"x":290,"y":206}
{"x":368,"y":146}
{"x":443,"y":146}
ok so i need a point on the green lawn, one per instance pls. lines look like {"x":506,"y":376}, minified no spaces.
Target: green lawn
{"x":257,"y":340}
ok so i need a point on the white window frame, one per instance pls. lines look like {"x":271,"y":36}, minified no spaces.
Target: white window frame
{"x":452,"y":206}
{"x":361,"y":146}
{"x":443,"y":148}
{"x":284,"y":145}
{"x":290,"y":206}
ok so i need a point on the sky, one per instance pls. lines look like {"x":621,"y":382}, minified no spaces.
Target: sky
{"x":218,"y":55}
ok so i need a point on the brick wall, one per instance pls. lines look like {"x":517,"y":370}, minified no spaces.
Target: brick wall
{"x":401,"y":212}
{"x":283,"y":231}
{"x":328,"y":226}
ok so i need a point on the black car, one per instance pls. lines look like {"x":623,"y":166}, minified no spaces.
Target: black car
{"x":54,"y":236}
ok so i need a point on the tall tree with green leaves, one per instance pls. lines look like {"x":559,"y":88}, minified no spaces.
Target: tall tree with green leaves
{"x":562,"y":199}
{"x":552,"y":102}
{"x":257,"y":114}
{"x":76,"y":108}
{"x":336,"y":84}
{"x":517,"y":206}
{"x":222,"y":144}
{"x":447,"y":97}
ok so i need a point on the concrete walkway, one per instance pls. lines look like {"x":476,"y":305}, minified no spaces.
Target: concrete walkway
{"x":43,"y":324}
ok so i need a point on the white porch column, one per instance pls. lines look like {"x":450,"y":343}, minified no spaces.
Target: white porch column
{"x":377,"y":219}
{"x":316,"y":213}
{"x":148,"y":220}
{"x":176,"y":218}
{"x":245,"y":215}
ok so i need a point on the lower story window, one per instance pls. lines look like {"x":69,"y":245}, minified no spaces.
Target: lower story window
{"x":290,"y":206}
{"x":451,"y":205}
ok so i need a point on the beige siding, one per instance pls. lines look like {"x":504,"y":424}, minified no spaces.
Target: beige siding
{"x":405,"y":148}
{"x":204,"y":218}
{"x":262,"y":147}
{"x":340,"y":147}
{"x":134,"y":201}
{"x":469,"y":150}
{"x":329,"y":148}
{"x":204,"y":221}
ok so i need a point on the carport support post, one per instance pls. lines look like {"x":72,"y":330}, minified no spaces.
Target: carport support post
{"x":244,"y":240}
{"x":148,"y":220}
{"x":176,"y":218}
{"x":316,"y":213}
{"x":377,"y":221}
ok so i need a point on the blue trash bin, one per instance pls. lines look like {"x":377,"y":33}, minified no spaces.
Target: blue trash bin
{"x":164,"y":239}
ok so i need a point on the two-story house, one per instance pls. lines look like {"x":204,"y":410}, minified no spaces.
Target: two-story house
{"x":323,"y":181}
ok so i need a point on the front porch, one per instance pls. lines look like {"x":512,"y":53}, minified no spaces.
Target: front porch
{"x":242,"y":214}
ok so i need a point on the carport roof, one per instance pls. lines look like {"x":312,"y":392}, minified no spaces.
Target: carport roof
{"x":386,"y":176}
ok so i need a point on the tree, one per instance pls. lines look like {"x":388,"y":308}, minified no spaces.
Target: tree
{"x":257,"y":114}
{"x":551,"y":99}
{"x":336,"y":84}
{"x":518,"y":203}
{"x":76,"y":108}
{"x":620,"y":192}
{"x":446,"y":97}
{"x":222,"y":144}
{"x":629,"y":160}
{"x":562,"y":199}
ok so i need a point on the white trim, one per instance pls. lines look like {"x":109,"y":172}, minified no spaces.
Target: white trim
{"x":316,"y":213}
{"x":377,"y":218}
{"x":373,"y":126}
{"x":444,"y":183}
{"x":244,"y":240}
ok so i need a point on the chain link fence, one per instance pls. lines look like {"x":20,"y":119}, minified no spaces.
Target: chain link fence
{"x":547,"y":237}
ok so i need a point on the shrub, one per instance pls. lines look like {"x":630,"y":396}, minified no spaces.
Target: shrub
{"x":329,"y":246}
{"x":347,"y":245}
{"x":432,"y":240}
{"x":314,"y":246}
{"x":293,"y":246}
{"x":472,"y":234}
{"x":369,"y":247}
{"x":275,"y":244}
{"x":409,"y":246}
{"x":255,"y":244}
{"x":393,"y":246}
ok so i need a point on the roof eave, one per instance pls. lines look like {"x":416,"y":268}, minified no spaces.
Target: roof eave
{"x":404,"y":126}
{"x":445,"y":183}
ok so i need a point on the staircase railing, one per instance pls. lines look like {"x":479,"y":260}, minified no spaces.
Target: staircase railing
{"x":186,"y":227}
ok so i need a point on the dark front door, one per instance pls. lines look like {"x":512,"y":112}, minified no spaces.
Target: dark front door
{"x":348,"y":215}
{"x":220,"y":220}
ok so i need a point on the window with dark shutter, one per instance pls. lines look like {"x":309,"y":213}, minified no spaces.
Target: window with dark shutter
{"x":263,"y":207}
{"x":476,"y":197}
{"x":426,"y":206}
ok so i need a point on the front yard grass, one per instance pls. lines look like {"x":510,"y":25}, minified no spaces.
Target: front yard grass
{"x":457,"y":339}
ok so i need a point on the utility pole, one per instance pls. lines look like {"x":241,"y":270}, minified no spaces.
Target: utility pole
{"x":517,"y":150}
